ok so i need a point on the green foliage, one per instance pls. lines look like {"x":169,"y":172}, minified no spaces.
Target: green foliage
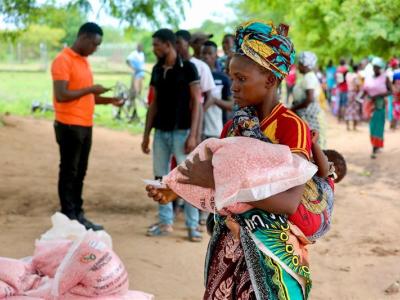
{"x":134,"y":12}
{"x":16,"y":12}
{"x":217,"y":29}
{"x":143,"y":36}
{"x":139,"y":11}
{"x":40,"y":34}
{"x":113,"y":35}
{"x":67,"y":18}
{"x":333,"y":28}
{"x":38,"y":87}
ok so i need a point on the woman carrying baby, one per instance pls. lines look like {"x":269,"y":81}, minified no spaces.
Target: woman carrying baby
{"x":258,"y":254}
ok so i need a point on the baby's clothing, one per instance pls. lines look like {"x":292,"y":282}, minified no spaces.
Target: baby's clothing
{"x":313,"y":216}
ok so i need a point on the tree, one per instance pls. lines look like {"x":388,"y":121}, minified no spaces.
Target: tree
{"x":19,"y":12}
{"x":217,"y":29}
{"x":143,"y":36}
{"x":67,"y":18}
{"x":333,"y":28}
{"x":40,"y":35}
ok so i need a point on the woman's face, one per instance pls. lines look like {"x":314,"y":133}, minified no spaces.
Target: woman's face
{"x":249,"y":84}
{"x":377,"y":70}
{"x":302,"y":68}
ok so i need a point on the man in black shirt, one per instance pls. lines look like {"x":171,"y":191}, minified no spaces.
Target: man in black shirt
{"x":174,"y":114}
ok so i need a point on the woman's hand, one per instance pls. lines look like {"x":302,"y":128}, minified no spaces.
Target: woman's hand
{"x":161,"y":195}
{"x":199,"y":172}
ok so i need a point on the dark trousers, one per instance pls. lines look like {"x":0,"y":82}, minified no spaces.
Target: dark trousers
{"x":74,"y":143}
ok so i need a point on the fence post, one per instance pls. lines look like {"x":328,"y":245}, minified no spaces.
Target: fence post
{"x":19,"y":53}
{"x":43,"y":56}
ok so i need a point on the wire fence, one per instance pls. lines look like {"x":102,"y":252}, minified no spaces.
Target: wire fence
{"x":110,"y":58}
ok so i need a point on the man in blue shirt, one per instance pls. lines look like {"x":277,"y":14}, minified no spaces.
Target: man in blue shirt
{"x":221,"y":99}
{"x":330,"y":79}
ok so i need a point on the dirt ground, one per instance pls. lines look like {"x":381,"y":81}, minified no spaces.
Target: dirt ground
{"x":358,"y":259}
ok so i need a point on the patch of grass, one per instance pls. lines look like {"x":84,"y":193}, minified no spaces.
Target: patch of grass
{"x":18,"y":90}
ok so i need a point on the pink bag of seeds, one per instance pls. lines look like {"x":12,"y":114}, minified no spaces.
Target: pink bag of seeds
{"x":49,"y":255}
{"x":245,"y":169}
{"x":90,"y":269}
{"x":12,"y":273}
{"x":130,"y":295}
{"x":6,"y":290}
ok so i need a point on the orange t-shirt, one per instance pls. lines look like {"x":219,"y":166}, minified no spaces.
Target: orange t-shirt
{"x":74,"y":68}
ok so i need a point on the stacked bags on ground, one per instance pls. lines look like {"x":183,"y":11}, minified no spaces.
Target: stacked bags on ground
{"x":69,"y":263}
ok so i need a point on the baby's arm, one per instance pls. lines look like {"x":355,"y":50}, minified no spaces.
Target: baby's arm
{"x":319,"y":157}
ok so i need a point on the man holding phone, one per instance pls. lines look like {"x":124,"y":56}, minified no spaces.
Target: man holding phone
{"x":74,"y":99}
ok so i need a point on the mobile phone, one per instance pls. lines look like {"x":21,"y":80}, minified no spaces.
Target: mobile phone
{"x":156,"y":183}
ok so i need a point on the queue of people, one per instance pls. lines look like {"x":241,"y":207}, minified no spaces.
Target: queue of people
{"x":365,"y":91}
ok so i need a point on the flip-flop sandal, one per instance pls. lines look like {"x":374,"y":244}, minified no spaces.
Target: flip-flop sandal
{"x":194,"y":235}
{"x":203,"y":222}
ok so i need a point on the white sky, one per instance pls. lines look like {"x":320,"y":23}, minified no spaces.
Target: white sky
{"x":195,"y":14}
{"x":201,"y":10}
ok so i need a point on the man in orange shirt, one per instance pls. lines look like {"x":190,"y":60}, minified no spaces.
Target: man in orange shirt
{"x":74,"y":99}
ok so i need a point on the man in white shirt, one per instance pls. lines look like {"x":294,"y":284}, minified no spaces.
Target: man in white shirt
{"x":183,"y":38}
{"x":221,"y":95}
{"x":136,"y":61}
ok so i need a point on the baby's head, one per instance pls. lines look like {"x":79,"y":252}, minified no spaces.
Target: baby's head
{"x":246,"y":123}
{"x":339,"y":163}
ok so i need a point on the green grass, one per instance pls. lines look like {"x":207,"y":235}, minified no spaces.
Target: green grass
{"x":19,"y":89}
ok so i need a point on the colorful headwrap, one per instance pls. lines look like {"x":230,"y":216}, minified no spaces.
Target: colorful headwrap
{"x":308,"y":59}
{"x":266,"y":45}
{"x":379,"y":62}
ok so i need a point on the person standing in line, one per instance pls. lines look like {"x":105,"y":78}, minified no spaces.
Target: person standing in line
{"x":174,"y":114}
{"x":290,"y":82}
{"x":396,"y":100}
{"x":228,"y":42}
{"x":221,"y":96}
{"x":353,"y":108}
{"x":391,"y":70}
{"x":342,"y":87}
{"x":74,"y":100}
{"x":228,"y":48}
{"x":330,"y":80}
{"x":376,"y":88}
{"x":306,"y":96}
{"x":257,"y":263}
{"x":197,"y":41}
{"x":183,"y":41}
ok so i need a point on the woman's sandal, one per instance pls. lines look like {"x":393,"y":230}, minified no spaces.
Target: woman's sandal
{"x":194,"y":235}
